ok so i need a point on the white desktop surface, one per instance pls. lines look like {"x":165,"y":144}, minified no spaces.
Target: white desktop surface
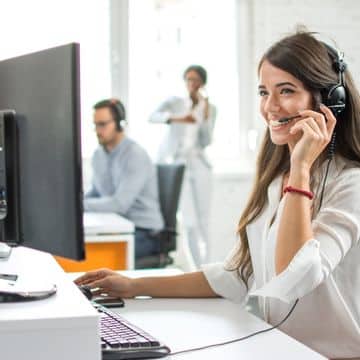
{"x":106,"y":223}
{"x":65,"y":326}
{"x":186,"y":323}
{"x":52,"y":328}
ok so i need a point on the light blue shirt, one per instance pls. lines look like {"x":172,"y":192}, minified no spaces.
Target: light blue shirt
{"x":125,"y":181}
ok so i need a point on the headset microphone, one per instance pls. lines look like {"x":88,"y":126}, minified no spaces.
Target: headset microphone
{"x":287,"y":119}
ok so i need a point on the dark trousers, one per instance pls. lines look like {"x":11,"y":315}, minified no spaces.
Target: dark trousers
{"x":147,"y":243}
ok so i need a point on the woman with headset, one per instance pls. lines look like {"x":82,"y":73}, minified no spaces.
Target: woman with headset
{"x":190,"y":123}
{"x":299,"y":233}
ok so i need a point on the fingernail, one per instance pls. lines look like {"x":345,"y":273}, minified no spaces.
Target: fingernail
{"x":322,"y":105}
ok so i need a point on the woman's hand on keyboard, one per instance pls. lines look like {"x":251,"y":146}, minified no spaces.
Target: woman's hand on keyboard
{"x":109,"y":282}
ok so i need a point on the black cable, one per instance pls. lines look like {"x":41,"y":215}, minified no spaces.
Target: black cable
{"x":324,"y":182}
{"x":330,"y":156}
{"x":239,"y":339}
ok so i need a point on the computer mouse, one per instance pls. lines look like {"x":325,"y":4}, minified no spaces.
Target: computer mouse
{"x":86,"y":290}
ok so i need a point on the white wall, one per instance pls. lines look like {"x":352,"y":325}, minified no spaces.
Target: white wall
{"x":337,"y":20}
{"x":229,"y":198}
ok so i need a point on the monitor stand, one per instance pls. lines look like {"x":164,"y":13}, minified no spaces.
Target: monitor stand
{"x":18,"y":283}
{"x":5,"y":251}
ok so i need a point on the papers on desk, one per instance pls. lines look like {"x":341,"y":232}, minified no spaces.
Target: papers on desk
{"x":96,"y":223}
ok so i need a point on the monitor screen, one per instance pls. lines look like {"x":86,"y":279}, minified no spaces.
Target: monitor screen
{"x":44,"y":188}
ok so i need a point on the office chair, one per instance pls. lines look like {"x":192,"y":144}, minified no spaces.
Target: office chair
{"x":170,"y":178}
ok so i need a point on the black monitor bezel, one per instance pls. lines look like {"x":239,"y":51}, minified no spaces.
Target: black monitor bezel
{"x":14,"y":229}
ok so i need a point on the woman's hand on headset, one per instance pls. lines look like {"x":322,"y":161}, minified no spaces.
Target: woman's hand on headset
{"x":311,"y":136}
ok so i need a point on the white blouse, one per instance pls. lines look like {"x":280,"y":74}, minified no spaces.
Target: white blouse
{"x":324,"y":274}
{"x":184,"y":140}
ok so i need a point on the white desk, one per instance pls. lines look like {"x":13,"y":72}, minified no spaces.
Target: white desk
{"x":186,"y":323}
{"x":64,"y":326}
{"x":110,"y":227}
{"x":109,"y":242}
{"x":106,"y":223}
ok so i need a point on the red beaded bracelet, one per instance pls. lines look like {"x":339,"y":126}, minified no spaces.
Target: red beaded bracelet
{"x":291,"y":189}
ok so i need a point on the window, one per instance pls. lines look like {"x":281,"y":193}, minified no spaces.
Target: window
{"x":165,"y":36}
{"x":39,"y":24}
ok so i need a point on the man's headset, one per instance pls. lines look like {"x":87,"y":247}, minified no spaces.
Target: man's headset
{"x":335,"y":96}
{"x":118,"y":111}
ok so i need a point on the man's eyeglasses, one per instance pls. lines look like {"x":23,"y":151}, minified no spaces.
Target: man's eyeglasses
{"x":101,"y":124}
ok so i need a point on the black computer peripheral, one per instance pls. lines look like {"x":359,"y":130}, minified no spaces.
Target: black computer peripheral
{"x":41,"y":194}
{"x":122,"y":340}
{"x":86,"y":290}
{"x":107,"y":301}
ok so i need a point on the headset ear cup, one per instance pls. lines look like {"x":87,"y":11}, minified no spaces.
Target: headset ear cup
{"x":121,"y":111}
{"x":120,"y":114}
{"x":118,"y":125}
{"x":336,"y":99}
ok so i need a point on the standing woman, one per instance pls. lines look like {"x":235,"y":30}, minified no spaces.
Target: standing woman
{"x":190,"y":123}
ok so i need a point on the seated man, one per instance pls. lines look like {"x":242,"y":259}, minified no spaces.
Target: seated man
{"x":124,"y":179}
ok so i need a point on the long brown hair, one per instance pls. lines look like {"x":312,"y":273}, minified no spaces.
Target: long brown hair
{"x":310,"y":61}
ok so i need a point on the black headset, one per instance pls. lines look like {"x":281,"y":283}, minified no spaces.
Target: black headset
{"x":335,"y":96}
{"x":335,"y":99}
{"x":118,"y":112}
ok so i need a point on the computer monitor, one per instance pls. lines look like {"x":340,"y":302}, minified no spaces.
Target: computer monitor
{"x":40,"y":152}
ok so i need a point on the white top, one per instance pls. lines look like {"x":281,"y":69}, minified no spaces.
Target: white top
{"x":324,"y":274}
{"x":184,"y":140}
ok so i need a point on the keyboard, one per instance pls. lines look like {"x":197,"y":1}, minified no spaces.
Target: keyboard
{"x":122,"y":340}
